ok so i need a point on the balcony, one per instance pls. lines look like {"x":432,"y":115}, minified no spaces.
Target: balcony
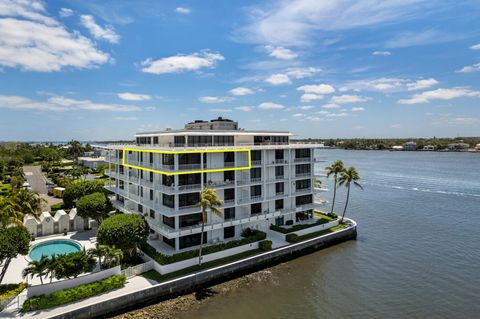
{"x":256,"y":163}
{"x":303,"y":191}
{"x":302,"y":160}
{"x":299,"y":175}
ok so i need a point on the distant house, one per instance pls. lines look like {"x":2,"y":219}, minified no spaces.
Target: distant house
{"x":458,"y":147}
{"x":477,"y":147}
{"x":397,"y":148}
{"x":410,"y":146}
{"x":428,"y":148}
{"x":91,"y":162}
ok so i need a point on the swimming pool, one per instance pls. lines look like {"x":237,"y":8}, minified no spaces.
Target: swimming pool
{"x":53,"y":247}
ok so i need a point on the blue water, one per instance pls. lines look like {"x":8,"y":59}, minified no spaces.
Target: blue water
{"x":53,"y":247}
{"x":417,"y":254}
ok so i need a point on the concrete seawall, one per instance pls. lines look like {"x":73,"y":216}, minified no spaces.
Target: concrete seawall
{"x":209,"y":277}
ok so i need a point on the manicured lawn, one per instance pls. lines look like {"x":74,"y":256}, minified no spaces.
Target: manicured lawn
{"x":295,"y":239}
{"x":323,"y":216}
{"x":152,"y":274}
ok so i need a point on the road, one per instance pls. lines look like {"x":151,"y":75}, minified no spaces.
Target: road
{"x":37,"y":180}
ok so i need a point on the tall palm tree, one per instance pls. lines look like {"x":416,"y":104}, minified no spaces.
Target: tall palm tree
{"x":208,"y":202}
{"x":75,"y":149}
{"x":37,"y":268}
{"x":51,"y":267}
{"x":28,"y":202}
{"x":335,"y":169}
{"x":9,"y":214}
{"x":347,"y":177}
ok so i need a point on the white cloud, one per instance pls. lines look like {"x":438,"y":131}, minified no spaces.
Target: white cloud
{"x":214,"y":99}
{"x":382,"y":53}
{"x":396,"y":126}
{"x":134,"y":97}
{"x":298,"y":115}
{"x":440,"y":94}
{"x":358,"y":109}
{"x":125,"y":118}
{"x":182,"y":63}
{"x":330,"y":106}
{"x":475,"y":47}
{"x":470,"y":68}
{"x":344,"y":99}
{"x":221,"y":110}
{"x":281,"y":53}
{"x":271,"y":106}
{"x":317,"y":89}
{"x":421,"y":84}
{"x":33,"y":41}
{"x":65,"y":12}
{"x":106,"y":33}
{"x":380,"y":84}
{"x":244,"y":108}
{"x":343,"y":114}
{"x":288,"y":23}
{"x":183,"y":10}
{"x":323,"y":112}
{"x":61,"y":104}
{"x":241,"y":91}
{"x":430,"y":36}
{"x":278,"y":79}
{"x":308,"y":97}
{"x":307,"y":107}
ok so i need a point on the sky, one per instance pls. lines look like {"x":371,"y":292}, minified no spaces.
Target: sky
{"x":104,"y":70}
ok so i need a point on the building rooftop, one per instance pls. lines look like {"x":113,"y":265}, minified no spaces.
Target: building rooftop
{"x":212,"y":132}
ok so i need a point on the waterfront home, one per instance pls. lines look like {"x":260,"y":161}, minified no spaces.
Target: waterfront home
{"x":458,"y":147}
{"x":428,"y":148}
{"x":397,"y":148}
{"x":410,"y":146}
{"x":477,"y":147}
{"x":262,"y":177}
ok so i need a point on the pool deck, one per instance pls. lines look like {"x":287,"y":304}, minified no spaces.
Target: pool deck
{"x":14,"y":271}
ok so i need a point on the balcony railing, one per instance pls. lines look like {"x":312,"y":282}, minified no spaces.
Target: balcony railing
{"x":302,"y":160}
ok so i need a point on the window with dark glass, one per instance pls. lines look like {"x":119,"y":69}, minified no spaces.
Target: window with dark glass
{"x":155,"y":140}
{"x":121,"y":169}
{"x":189,"y":158}
{"x":168,"y":200}
{"x":140,"y":208}
{"x":229,"y":194}
{"x":190,"y":220}
{"x":199,"y":140}
{"x":168,"y":180}
{"x":229,"y":175}
{"x":189,"y":199}
{"x":256,"y":155}
{"x":256,"y":190}
{"x":167,"y":159}
{"x":223,"y":140}
{"x":229,"y":157}
{"x":279,"y":188}
{"x":189,"y":179}
{"x":303,"y":200}
{"x":179,"y":140}
{"x":256,"y":173}
{"x":151,"y":194}
{"x":302,"y":184}
{"x":169,"y":242}
{"x":151,"y":177}
{"x":229,"y":213}
{"x":256,"y":208}
{"x":150,"y":158}
{"x":279,"y":204}
{"x":279,"y":154}
{"x":302,"y":169}
{"x":169,"y":221}
{"x":152,"y":213}
{"x":229,"y":232}
{"x":302,"y":153}
{"x":191,"y":240}
{"x":279,"y":171}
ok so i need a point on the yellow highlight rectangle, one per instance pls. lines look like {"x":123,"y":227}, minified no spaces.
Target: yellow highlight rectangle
{"x":187,"y":152}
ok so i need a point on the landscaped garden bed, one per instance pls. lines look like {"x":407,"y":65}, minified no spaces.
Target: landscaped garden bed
{"x":10,"y":291}
{"x":294,"y":238}
{"x":322,"y":219}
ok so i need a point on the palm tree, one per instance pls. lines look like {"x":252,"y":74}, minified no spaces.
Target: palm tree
{"x":28,"y":202}
{"x":335,"y":169}
{"x":347,"y":177}
{"x":98,"y":252}
{"x":51,"y":267}
{"x":9,"y":214}
{"x":37,"y":268}
{"x":113,"y":256}
{"x":208,"y":202}
{"x":75,"y":149}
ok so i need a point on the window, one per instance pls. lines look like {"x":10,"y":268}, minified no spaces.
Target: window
{"x":279,"y":171}
{"x":256,"y":209}
{"x":155,"y":140}
{"x":279,"y":188}
{"x":168,"y":200}
{"x":229,"y":213}
{"x":302,"y":153}
{"x":199,"y":140}
{"x":169,"y":242}
{"x":229,"y":157}
{"x":256,"y":173}
{"x":303,"y":200}
{"x":151,"y":194}
{"x":279,"y":204}
{"x":185,"y":159}
{"x":255,"y":190}
{"x":279,"y":154}
{"x":152,"y":213}
{"x":179,"y":140}
{"x":189,"y":179}
{"x":191,"y":240}
{"x":229,"y":232}
{"x":140,"y":208}
{"x":223,"y":140}
{"x":229,"y":175}
{"x":167,"y":159}
{"x":302,"y":184}
{"x":302,"y":169}
{"x":167,"y":180}
{"x":189,"y":199}
{"x":151,"y":177}
{"x":169,"y":221}
{"x":256,"y":155}
{"x":229,"y":194}
{"x":150,"y":158}
{"x":190,"y":220}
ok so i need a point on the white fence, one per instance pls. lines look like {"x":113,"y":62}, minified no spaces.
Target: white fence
{"x":69,"y":283}
{"x":165,"y":269}
{"x":137,"y":269}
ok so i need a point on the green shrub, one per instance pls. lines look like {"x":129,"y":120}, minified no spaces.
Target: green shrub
{"x":254,"y":236}
{"x":333,"y":215}
{"x":291,"y":238}
{"x":73,"y":294}
{"x":95,"y":206}
{"x":75,"y":190}
{"x":295,"y":228}
{"x":265,"y":245}
{"x":9,"y":291}
{"x":57,"y":206}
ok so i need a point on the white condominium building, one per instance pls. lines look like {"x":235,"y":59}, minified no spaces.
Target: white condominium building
{"x":261,"y":176}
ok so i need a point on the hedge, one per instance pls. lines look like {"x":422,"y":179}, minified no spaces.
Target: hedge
{"x":294,"y":238}
{"x":73,"y":294}
{"x":9,"y":291}
{"x":57,"y":206}
{"x":295,"y":228}
{"x":251,"y":236}
{"x":265,"y":245}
